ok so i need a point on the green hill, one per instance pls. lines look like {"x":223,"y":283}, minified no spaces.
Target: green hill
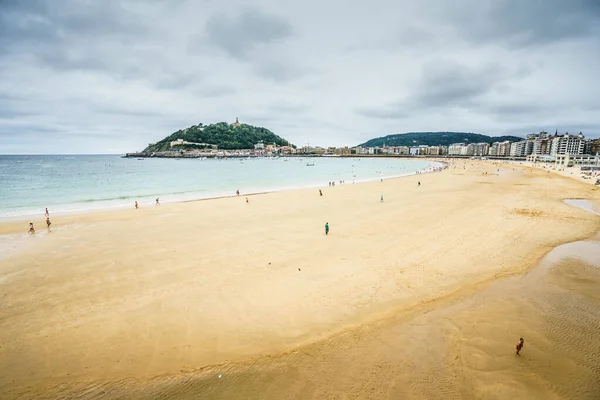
{"x":435,"y":139}
{"x":225,"y":136}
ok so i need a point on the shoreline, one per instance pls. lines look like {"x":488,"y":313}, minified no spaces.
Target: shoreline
{"x":220,"y":281}
{"x":118,"y":207}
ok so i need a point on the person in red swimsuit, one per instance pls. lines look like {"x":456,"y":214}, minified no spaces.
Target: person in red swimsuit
{"x":520,"y":346}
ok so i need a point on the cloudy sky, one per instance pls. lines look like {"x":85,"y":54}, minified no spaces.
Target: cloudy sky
{"x":109,"y":76}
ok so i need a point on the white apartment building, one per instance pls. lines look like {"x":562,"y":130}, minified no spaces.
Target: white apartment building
{"x":567,"y":144}
{"x":435,"y":150}
{"x":457,"y":149}
{"x":494,"y":149}
{"x":538,"y":143}
{"x":518,"y":149}
{"x":504,"y":148}
{"x":478,"y":149}
{"x":500,"y":149}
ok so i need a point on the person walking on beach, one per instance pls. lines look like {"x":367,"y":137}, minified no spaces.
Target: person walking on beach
{"x":419,"y":183}
{"x":519,"y":346}
{"x":237,"y":192}
{"x":48,"y":223}
{"x":157,"y":202}
{"x":320,"y":193}
{"x":247,"y":200}
{"x":381,"y":197}
{"x":31,"y":229}
{"x":136,"y":205}
{"x":327,"y":228}
{"x":47,"y":214}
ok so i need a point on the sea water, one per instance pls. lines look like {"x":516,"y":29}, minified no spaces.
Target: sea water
{"x":64,"y":183}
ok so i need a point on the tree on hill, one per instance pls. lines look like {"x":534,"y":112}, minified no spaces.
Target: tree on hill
{"x":435,"y":139}
{"x":221,"y":134}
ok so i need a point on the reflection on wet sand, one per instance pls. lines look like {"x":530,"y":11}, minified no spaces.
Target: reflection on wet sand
{"x":463,"y":349}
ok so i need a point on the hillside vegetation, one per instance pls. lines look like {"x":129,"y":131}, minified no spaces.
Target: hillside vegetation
{"x":435,"y":139}
{"x":221,"y":134}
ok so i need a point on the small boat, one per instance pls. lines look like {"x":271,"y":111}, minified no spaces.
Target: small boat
{"x":310,"y":165}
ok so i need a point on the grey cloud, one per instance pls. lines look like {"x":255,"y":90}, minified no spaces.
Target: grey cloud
{"x":515,"y":108}
{"x":289,"y":108}
{"x":279,"y":71}
{"x":517,"y":23}
{"x":442,"y":84}
{"x":450,"y":84}
{"x":38,"y":24}
{"x":241,"y":34}
{"x":215,"y":90}
{"x":390,"y":111}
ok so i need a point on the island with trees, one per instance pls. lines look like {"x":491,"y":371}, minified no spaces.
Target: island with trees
{"x":219,"y":139}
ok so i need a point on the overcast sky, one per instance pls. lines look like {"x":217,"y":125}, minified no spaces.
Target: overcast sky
{"x":110,"y":76}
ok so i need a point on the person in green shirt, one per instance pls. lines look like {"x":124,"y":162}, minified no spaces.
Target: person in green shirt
{"x":327,"y":228}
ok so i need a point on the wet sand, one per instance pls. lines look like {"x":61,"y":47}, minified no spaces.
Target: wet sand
{"x":461,"y":349}
{"x":405,"y":299}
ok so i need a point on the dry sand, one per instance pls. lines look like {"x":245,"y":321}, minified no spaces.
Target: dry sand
{"x":404,"y":299}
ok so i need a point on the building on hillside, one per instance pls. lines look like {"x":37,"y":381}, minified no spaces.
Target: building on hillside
{"x":179,"y":142}
{"x":259,"y":146}
{"x":236,"y":124}
{"x":567,"y":144}
{"x":518,"y":149}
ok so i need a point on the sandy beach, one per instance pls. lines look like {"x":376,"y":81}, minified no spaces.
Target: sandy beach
{"x":421,"y":296}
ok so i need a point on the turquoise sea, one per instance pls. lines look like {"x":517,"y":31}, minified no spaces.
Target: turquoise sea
{"x":66,"y":183}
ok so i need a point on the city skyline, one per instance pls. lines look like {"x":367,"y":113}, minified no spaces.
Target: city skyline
{"x":110,"y":77}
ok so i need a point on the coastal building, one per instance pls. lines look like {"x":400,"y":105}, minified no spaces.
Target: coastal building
{"x":580,"y":160}
{"x":504,"y":148}
{"x":567,"y":144}
{"x":457,"y":149}
{"x":286,"y":150}
{"x":179,"y":142}
{"x":538,"y":143}
{"x":423,"y":150}
{"x":518,"y":149}
{"x":478,"y":149}
{"x":500,"y":149}
{"x":435,"y":151}
{"x":592,"y":147}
